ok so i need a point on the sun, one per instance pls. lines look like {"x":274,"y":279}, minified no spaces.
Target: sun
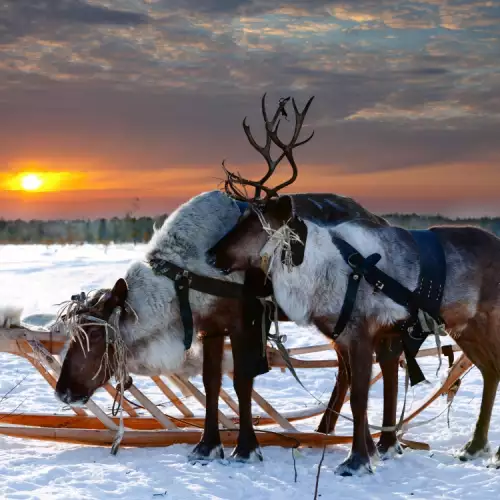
{"x":31,"y":182}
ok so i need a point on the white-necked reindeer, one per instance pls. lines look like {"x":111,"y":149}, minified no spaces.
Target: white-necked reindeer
{"x":150,"y":325}
{"x":142,"y":316}
{"x":314,"y":292}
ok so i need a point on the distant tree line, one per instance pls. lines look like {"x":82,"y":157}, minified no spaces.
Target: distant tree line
{"x":417,"y":221}
{"x":130,"y":229}
{"x":105,"y":231}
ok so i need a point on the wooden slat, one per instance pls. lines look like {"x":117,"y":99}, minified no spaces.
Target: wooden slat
{"x":270,"y":410}
{"x":225,"y":421}
{"x":294,"y":351}
{"x":152,"y":408}
{"x":186,"y":393}
{"x":90,"y":404}
{"x":172,"y":396}
{"x":457,"y":370}
{"x":276,"y":361}
{"x":51,"y":380}
{"x":166,"y":437}
{"x":142,"y":423}
{"x":9,"y":338}
{"x":229,"y":401}
{"x":126,"y":405}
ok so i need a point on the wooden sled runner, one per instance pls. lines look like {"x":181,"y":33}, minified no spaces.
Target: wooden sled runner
{"x":93,"y":426}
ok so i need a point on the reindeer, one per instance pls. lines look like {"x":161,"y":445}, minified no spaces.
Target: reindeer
{"x":143,"y":314}
{"x":332,"y":210}
{"x":139,"y":326}
{"x":136,"y":327}
{"x":383,"y":265}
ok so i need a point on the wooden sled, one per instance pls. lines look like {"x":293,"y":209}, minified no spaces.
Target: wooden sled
{"x":94,"y":426}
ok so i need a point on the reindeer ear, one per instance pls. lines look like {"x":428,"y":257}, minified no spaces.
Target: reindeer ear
{"x":299,"y":227}
{"x":119,"y":293}
{"x":280,"y":210}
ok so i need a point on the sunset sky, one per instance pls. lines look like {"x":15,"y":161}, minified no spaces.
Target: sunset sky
{"x":110,"y":101}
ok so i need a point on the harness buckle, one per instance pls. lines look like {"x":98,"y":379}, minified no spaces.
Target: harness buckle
{"x":185,"y":275}
{"x":379,"y":285}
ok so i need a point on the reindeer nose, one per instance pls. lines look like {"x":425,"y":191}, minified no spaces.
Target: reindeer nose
{"x":63,"y":396}
{"x":69,"y":398}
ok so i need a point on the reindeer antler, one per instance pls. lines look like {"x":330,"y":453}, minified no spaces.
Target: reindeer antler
{"x":271,"y":126}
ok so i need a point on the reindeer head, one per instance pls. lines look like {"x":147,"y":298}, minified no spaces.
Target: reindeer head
{"x":240,"y":248}
{"x":91,"y":358}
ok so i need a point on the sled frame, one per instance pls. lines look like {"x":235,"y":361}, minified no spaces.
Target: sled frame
{"x":93,"y":426}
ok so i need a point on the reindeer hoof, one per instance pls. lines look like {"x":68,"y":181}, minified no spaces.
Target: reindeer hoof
{"x":472,"y":451}
{"x":388,"y":451}
{"x":205,"y":452}
{"x":246,"y":456}
{"x":354,"y":465}
{"x":495,"y":461}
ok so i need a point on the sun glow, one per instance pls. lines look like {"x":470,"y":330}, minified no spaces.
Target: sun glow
{"x":43,"y":181}
{"x":31,"y":182}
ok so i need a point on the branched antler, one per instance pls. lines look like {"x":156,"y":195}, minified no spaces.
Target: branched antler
{"x":235,"y":185}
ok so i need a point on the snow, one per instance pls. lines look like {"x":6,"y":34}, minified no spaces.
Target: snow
{"x":39,"y":277}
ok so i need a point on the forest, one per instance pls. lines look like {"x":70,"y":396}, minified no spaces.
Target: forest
{"x":131,"y":229}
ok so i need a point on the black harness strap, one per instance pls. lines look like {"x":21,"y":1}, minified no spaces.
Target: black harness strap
{"x":182,"y":290}
{"x":430,"y":287}
{"x":184,"y":281}
{"x":353,"y":283}
{"x":430,"y":290}
{"x":427,"y":296}
{"x":205,"y":284}
{"x":248,"y":292}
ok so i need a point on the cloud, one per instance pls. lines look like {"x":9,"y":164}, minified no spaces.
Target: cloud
{"x":39,"y":17}
{"x":434,"y":111}
{"x":165,"y":84}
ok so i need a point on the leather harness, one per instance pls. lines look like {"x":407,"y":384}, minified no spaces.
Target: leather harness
{"x":426,"y":297}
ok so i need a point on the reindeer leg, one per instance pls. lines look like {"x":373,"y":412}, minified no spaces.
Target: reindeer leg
{"x":495,"y":463}
{"x":331,"y":415}
{"x":388,"y":444}
{"x":210,"y":446}
{"x":247,"y":447}
{"x":478,"y":445}
{"x":360,"y":360}
{"x":370,"y":444}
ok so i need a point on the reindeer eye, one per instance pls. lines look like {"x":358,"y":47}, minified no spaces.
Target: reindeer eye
{"x":95,"y":334}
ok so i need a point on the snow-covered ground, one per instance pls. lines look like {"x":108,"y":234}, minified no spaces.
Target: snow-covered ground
{"x":39,"y":277}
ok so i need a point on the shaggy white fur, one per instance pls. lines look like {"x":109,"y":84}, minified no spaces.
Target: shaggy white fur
{"x":10,"y":316}
{"x":155,"y":337}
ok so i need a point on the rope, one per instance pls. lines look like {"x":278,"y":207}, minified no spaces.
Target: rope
{"x":280,"y":241}
{"x":400,"y":428}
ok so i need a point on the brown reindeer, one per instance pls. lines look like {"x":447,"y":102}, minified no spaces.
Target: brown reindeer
{"x":313,"y":293}
{"x":326,"y":209}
